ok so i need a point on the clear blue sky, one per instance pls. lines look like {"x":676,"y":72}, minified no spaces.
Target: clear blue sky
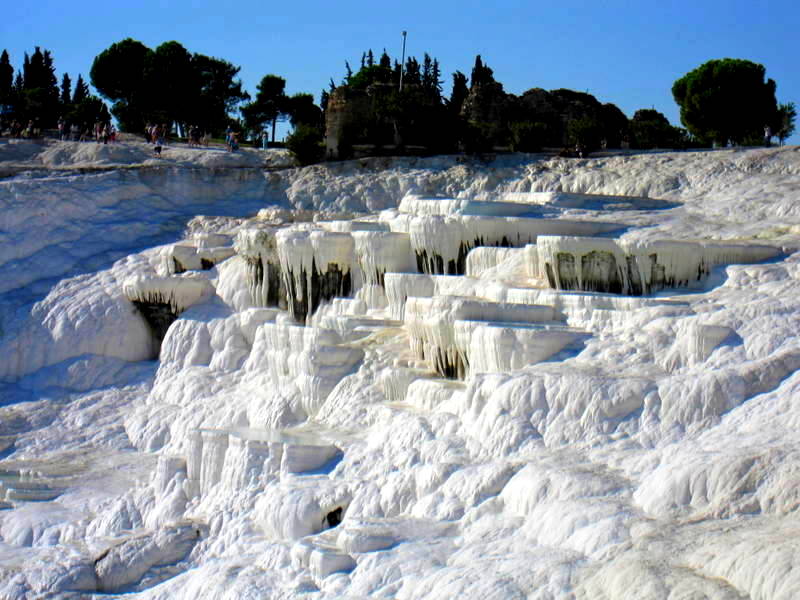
{"x":625,"y":52}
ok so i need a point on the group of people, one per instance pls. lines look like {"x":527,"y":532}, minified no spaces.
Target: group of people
{"x":18,"y":130}
{"x":101,"y":132}
{"x":156,"y":134}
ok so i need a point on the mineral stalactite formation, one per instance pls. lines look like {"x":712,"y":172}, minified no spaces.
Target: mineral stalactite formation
{"x":161,"y":299}
{"x":264,"y":277}
{"x":637,"y":268}
{"x":316,"y":267}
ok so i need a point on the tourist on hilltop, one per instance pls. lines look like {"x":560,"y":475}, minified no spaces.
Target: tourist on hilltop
{"x":75,"y":132}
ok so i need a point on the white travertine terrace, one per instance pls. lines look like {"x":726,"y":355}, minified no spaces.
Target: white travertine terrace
{"x":353,"y":226}
{"x":442,"y":243}
{"x":637,"y":268}
{"x":491,"y":347}
{"x":378,"y":253}
{"x":305,"y":362}
{"x":600,"y":446}
{"x":431,"y":326}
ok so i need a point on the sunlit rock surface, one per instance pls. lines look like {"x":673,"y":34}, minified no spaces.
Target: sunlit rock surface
{"x":398,"y":378}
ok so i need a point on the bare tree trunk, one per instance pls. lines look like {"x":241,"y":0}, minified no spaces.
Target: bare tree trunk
{"x":274,"y":121}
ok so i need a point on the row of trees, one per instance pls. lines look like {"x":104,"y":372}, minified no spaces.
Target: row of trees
{"x":34,"y":94}
{"x":727,"y":101}
{"x":167,"y":85}
{"x":478,"y":115}
{"x":723,"y":101}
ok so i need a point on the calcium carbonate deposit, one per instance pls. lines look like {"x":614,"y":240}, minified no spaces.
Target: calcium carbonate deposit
{"x":531,"y":377}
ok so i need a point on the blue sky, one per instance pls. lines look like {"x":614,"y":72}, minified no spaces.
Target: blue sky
{"x":624,"y":52}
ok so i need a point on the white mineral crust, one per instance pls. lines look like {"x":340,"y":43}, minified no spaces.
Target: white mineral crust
{"x":585,"y":442}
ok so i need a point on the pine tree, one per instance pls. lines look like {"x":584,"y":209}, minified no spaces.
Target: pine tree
{"x":66,"y":92}
{"x":349,"y":74}
{"x":363,"y":59}
{"x":385,"y":61}
{"x":370,"y":58}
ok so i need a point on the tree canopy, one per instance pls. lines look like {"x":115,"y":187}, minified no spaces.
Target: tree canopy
{"x":168,"y":84}
{"x":726,"y":100}
{"x":34,"y":94}
{"x":270,"y":103}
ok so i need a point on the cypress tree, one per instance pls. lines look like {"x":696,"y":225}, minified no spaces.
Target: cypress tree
{"x":26,"y":67}
{"x":437,"y":78}
{"x":427,"y":73}
{"x":6,"y":79}
{"x":370,"y":58}
{"x":459,"y":93}
{"x":412,"y":75}
{"x":81,"y":91}
{"x":66,"y":92}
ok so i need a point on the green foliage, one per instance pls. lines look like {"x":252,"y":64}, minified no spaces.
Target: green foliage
{"x":166,"y":85}
{"x":305,"y":144}
{"x":270,"y":103}
{"x":526,"y":136}
{"x":586,"y":132}
{"x":66,"y":92}
{"x":615,"y":125}
{"x":81,"y":90}
{"x":171,"y":81}
{"x":33,"y":94}
{"x":458,"y":94}
{"x":725,"y":100}
{"x":88,"y":111}
{"x":651,"y":129}
{"x":478,"y":137}
{"x":369,"y":75}
{"x":481,"y":74}
{"x":302,"y":111}
{"x":6,"y":80}
{"x":784,"y":121}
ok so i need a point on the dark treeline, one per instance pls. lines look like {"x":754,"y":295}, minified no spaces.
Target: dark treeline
{"x":385,"y":106}
{"x":369,"y":108}
{"x":33,"y":96}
